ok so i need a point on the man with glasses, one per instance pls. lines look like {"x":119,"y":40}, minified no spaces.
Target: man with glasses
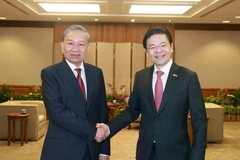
{"x":164,"y":93}
{"x":75,"y":99}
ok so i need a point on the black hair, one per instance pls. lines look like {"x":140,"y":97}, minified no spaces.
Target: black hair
{"x":156,"y":30}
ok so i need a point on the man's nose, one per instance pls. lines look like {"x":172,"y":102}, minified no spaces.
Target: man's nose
{"x":75,"y":47}
{"x":159,"y":48}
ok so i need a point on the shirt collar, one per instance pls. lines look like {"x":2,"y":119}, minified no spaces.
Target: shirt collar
{"x":73,"y":67}
{"x":165,"y":69}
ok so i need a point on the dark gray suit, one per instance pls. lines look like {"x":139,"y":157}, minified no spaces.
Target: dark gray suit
{"x":72,"y":120}
{"x":167,"y":127}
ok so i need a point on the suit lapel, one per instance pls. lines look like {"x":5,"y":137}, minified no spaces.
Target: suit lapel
{"x":171,"y":84}
{"x":90,"y":85}
{"x":149,"y":89}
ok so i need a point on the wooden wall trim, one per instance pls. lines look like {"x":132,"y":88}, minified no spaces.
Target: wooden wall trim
{"x":213,"y":91}
{"x":112,"y":32}
{"x":177,"y":26}
{"x":216,"y":27}
{"x":32,"y":24}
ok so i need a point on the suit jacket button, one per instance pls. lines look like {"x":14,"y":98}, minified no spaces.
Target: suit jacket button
{"x":157,"y":119}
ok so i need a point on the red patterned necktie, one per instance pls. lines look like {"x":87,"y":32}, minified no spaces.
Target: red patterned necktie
{"x":158,"y":90}
{"x":80,"y":81}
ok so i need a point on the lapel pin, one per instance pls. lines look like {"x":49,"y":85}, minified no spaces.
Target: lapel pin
{"x":175,"y":75}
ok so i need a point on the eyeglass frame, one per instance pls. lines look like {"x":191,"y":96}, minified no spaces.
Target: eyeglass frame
{"x":154,"y":47}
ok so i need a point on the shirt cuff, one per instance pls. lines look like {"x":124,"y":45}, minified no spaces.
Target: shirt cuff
{"x":103,"y":155}
{"x":108,"y":130}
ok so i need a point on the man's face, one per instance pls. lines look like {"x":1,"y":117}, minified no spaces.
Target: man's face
{"x":159,"y":50}
{"x":75,"y":47}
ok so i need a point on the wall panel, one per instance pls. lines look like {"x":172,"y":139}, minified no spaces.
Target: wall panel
{"x":95,"y":31}
{"x":214,"y":55}
{"x":138,"y":60}
{"x":24,"y":53}
{"x":130,"y":32}
{"x":148,"y":61}
{"x":57,"y":53}
{"x":105,"y":60}
{"x":91,"y":57}
{"x":58,"y":31}
{"x":114,"y":33}
{"x":122,"y":65}
{"x":136,"y":32}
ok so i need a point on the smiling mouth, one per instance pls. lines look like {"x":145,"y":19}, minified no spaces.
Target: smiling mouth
{"x":75,"y":55}
{"x":160,"y":56}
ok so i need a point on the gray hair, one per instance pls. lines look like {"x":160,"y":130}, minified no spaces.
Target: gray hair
{"x":75,"y":28}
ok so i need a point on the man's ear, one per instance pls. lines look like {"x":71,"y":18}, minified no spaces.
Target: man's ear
{"x":146,"y":53}
{"x":88,"y":48}
{"x":171,"y":47}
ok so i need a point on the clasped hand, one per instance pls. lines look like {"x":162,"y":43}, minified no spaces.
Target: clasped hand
{"x":102,"y":132}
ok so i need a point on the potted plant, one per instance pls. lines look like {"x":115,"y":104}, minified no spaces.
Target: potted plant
{"x":116,"y":96}
{"x":213,"y":99}
{"x":228,"y":102}
{"x":30,"y":96}
{"x":237,"y":96}
{"x":5,"y":93}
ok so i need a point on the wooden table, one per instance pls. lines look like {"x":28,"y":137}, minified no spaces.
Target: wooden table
{"x":190,"y":129}
{"x":111,"y":110}
{"x":12,"y":117}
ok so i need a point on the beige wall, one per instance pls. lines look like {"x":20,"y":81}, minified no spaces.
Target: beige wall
{"x":214,"y":55}
{"x":23,"y":53}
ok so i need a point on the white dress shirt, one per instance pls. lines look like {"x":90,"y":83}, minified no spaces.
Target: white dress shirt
{"x":83,"y":74}
{"x":166,"y":70}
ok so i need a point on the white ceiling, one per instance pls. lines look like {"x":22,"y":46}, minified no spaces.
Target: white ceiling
{"x":206,"y":11}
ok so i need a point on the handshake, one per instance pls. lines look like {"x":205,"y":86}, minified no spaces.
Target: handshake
{"x":103,"y":132}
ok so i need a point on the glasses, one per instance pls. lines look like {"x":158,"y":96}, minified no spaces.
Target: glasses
{"x":154,"y":48}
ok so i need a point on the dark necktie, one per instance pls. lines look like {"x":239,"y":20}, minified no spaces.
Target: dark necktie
{"x":158,"y":90}
{"x":80,"y":81}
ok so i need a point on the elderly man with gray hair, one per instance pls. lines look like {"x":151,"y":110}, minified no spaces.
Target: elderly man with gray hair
{"x":75,"y":99}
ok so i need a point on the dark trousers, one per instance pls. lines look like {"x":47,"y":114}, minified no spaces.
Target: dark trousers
{"x":153,"y":154}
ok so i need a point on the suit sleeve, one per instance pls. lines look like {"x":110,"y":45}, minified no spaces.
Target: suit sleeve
{"x":60,"y":115}
{"x":199,"y":119}
{"x":105,"y":145}
{"x":130,"y":114}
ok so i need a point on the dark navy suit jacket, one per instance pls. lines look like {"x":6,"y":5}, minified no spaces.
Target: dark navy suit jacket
{"x":167,"y":127}
{"x":73,"y":119}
